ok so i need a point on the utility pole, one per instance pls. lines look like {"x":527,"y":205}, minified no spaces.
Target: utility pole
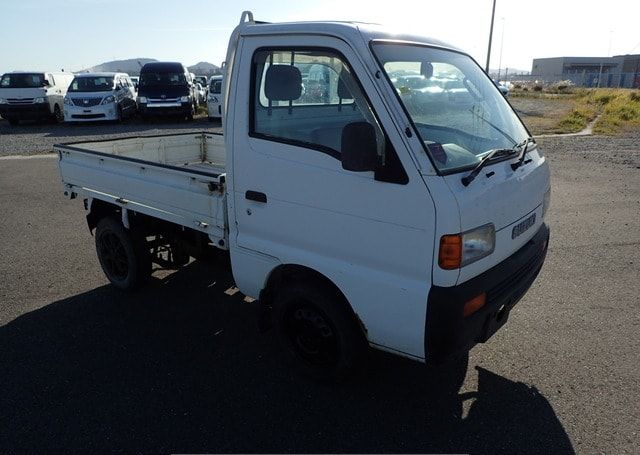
{"x":501,"y":46}
{"x":493,"y":14}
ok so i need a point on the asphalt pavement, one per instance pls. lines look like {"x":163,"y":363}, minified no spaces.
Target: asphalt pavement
{"x":181,"y":367}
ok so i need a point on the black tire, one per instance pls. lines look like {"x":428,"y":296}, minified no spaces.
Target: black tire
{"x":211,"y":119}
{"x":57,"y":114}
{"x":119,"y":117}
{"x":123,"y":254}
{"x":319,"y":331}
{"x":13,"y":121}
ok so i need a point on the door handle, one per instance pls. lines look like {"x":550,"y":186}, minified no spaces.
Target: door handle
{"x":256,"y":196}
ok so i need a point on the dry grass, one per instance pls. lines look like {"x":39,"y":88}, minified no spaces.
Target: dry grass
{"x":572,"y":110}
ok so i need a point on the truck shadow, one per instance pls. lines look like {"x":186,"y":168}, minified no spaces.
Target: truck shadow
{"x":181,"y":367}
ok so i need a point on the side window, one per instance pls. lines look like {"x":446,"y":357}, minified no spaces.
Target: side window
{"x":306,"y":97}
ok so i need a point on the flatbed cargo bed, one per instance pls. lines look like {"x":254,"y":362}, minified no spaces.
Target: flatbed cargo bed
{"x":177,"y":178}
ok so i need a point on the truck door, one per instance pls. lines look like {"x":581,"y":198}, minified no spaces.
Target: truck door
{"x":371,"y":233}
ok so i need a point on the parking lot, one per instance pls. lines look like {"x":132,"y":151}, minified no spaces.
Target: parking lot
{"x":181,"y":367}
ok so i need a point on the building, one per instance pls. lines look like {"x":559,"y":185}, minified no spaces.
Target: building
{"x":616,"y":71}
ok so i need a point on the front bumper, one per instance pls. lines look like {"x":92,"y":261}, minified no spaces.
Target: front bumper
{"x":25,"y":111}
{"x":165,"y":108}
{"x":90,"y":114}
{"x":449,"y":334}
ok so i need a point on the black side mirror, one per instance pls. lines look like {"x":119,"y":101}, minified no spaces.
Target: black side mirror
{"x":359,"y":150}
{"x":46,"y":83}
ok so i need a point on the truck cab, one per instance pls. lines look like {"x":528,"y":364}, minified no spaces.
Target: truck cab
{"x":33,"y":95}
{"x":368,"y":212}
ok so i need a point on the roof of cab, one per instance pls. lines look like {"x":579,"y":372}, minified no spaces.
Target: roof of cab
{"x":348,"y":30}
{"x":162,"y":65}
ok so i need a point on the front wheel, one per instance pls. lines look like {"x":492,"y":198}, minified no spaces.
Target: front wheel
{"x":123,"y":254}
{"x":319,"y":331}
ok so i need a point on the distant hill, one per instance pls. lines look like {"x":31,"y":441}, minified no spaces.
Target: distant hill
{"x":132,"y":67}
{"x":204,"y":69}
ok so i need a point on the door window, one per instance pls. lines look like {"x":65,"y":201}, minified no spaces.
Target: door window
{"x":306,"y":97}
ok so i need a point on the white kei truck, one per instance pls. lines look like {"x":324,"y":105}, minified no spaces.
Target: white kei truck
{"x":368,"y":206}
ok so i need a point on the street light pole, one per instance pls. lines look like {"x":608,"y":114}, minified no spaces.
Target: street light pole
{"x":493,"y":14}
{"x":501,"y":46}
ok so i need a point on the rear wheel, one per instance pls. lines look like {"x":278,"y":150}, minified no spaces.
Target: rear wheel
{"x":319,"y":331}
{"x":57,"y":114}
{"x":123,"y":254}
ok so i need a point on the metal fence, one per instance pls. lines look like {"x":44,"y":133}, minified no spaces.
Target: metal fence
{"x":584,"y":79}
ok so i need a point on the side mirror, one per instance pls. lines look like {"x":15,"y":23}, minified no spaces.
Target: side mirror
{"x":359,"y":150}
{"x":46,"y":83}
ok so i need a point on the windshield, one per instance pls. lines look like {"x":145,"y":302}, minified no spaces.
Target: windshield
{"x":459,"y":113}
{"x":92,"y":84}
{"x":22,"y":80}
{"x":216,"y":86}
{"x":155,"y":79}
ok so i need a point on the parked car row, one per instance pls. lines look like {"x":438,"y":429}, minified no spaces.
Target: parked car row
{"x":163,"y":88}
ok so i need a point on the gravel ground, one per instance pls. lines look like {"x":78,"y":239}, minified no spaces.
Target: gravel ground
{"x":38,"y":138}
{"x":541,"y":115}
{"x":180,"y":366}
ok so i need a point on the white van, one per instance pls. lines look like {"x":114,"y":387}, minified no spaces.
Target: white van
{"x":100,"y":96}
{"x":33,"y":95}
{"x":214,"y":100}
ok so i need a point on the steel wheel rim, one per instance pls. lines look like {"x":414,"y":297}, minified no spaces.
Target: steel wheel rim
{"x":114,"y":256}
{"x":311,"y":335}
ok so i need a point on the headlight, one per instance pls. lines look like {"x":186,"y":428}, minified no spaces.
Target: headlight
{"x":458,"y":250}
{"x":142,"y":99}
{"x":68,"y":102}
{"x":184,"y":99}
{"x":546,"y":201}
{"x":108,"y":100}
{"x":39,"y":100}
{"x":3,"y":101}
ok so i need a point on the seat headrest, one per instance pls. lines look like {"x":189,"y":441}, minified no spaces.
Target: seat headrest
{"x":283,"y":83}
{"x":343,"y":90}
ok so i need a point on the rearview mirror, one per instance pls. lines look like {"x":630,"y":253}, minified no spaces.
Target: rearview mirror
{"x":359,"y":151}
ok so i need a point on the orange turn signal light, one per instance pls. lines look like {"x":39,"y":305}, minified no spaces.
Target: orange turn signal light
{"x":473,"y":305}
{"x":450,"y":255}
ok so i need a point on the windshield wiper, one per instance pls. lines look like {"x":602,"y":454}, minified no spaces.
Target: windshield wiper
{"x":483,"y":162}
{"x":498,"y":153}
{"x":524,"y":144}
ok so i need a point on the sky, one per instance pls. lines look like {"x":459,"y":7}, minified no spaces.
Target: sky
{"x":50,"y":35}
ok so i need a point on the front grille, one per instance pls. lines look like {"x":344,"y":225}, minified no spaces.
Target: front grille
{"x":517,"y":283}
{"x":165,"y":100}
{"x":86,"y":102}
{"x":20,"y":101}
{"x":87,"y":116}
